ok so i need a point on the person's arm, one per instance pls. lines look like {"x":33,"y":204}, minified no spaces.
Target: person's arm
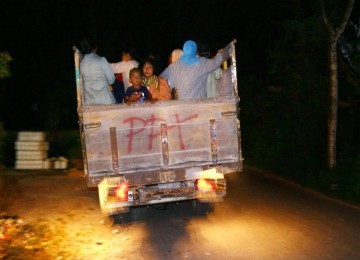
{"x":209,"y":65}
{"x":221,"y":56}
{"x":166,"y":74}
{"x":109,"y":75}
{"x":131,"y":96}
{"x":148,"y":96}
{"x":226,"y":52}
{"x":163,"y":93}
{"x":134,"y":97}
{"x":119,"y":67}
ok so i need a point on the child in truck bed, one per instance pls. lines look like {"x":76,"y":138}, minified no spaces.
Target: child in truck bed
{"x":136,"y":92}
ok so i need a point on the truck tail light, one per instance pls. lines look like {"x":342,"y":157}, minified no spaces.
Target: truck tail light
{"x":205,"y":185}
{"x":121,"y":191}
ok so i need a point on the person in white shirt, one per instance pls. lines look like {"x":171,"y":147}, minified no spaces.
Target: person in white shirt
{"x":125,"y":65}
{"x":97,"y":75}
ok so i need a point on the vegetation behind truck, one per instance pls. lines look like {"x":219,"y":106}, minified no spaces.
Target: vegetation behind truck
{"x":151,"y":154}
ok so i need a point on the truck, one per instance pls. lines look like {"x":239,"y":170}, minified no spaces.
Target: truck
{"x":156,"y":154}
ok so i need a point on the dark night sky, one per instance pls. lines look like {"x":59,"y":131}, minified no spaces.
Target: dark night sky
{"x":50,"y":27}
{"x":152,"y":26}
{"x":39,"y":35}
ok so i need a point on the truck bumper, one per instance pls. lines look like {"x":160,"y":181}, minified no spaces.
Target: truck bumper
{"x":155,"y":194}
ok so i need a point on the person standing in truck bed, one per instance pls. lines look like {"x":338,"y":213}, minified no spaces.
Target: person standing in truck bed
{"x":189,"y":73}
{"x":97,"y":75}
{"x":213,"y":78}
{"x":174,"y":55}
{"x":123,"y":67}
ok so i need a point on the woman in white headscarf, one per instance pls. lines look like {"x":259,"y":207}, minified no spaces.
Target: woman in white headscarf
{"x":188,"y":74}
{"x":175,"y":55}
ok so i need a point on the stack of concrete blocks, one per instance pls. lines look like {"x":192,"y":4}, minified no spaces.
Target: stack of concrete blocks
{"x":32,"y":151}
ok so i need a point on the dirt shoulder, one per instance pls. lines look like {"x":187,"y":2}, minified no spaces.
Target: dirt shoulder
{"x":53,"y":215}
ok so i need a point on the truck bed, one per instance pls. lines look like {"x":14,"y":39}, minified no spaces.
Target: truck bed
{"x":161,"y":142}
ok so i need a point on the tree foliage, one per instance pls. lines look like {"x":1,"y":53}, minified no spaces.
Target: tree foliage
{"x":284,"y":117}
{"x":349,"y":46}
{"x":5,"y":59}
{"x":290,"y":133}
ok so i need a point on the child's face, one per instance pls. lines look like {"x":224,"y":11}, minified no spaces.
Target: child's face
{"x":135,"y":79}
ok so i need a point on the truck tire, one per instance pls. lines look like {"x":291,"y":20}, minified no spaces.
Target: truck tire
{"x":202,"y":208}
{"x":138,"y":214}
{"x":135,"y":214}
{"x":121,"y":219}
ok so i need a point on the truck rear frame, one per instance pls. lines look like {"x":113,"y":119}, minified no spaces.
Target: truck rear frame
{"x":145,"y":154}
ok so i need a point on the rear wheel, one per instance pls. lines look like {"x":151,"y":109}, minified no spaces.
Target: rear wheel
{"x":139,"y":214}
{"x":121,"y":219}
{"x":202,"y":208}
{"x":133,"y":215}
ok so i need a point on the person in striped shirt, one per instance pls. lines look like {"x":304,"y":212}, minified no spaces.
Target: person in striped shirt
{"x":188,"y":74}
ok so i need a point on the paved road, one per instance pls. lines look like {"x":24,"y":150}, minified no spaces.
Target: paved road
{"x":261,"y":218}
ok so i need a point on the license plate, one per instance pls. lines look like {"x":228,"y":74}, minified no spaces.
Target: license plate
{"x":167,"y":176}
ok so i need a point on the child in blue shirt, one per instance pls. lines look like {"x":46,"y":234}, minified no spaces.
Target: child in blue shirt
{"x":136,"y":92}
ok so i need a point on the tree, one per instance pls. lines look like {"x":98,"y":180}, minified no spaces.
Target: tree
{"x":4,"y":65}
{"x":4,"y":73}
{"x":349,"y":47}
{"x":5,"y":59}
{"x":334,"y":35}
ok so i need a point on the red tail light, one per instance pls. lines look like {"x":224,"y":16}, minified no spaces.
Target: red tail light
{"x":121,"y":191}
{"x":205,"y":185}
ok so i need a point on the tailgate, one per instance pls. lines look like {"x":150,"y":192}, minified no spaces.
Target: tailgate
{"x":166,"y":135}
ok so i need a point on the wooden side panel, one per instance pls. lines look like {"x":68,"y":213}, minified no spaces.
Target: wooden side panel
{"x":138,"y":134}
